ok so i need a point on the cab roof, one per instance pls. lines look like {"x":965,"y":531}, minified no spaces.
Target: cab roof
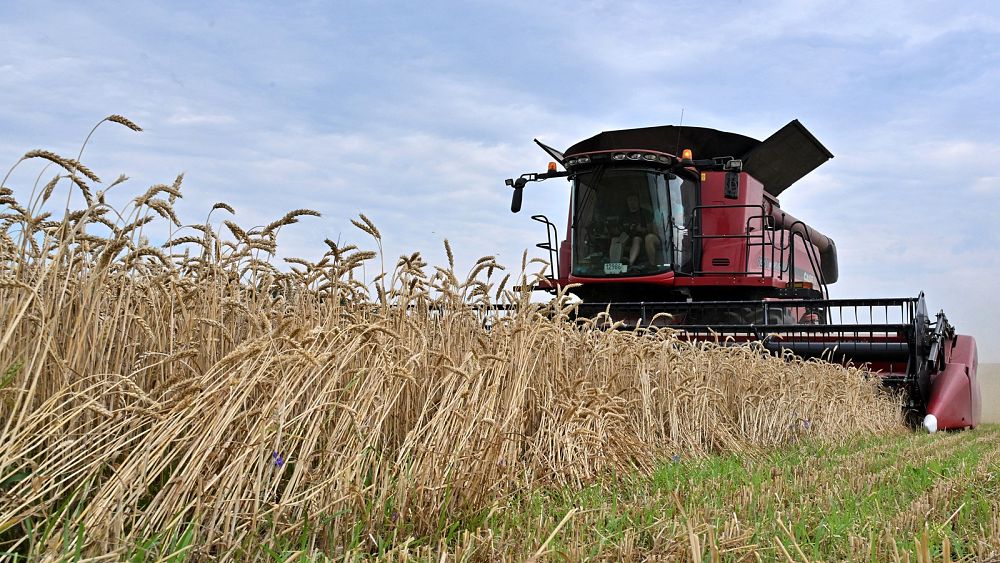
{"x":777,"y":162}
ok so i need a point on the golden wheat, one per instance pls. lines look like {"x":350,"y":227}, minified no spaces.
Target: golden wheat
{"x":152,"y":390}
{"x":120,"y":119}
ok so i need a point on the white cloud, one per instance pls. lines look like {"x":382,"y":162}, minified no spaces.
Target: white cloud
{"x":987,"y":185}
{"x":192,"y":118}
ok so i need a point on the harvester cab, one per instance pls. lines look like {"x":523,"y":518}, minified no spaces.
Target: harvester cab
{"x":647,"y":223}
{"x":686,"y":221}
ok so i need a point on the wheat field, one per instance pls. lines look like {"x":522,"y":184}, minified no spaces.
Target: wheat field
{"x":194,"y":390}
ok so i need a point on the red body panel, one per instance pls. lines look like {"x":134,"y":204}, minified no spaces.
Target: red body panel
{"x":729,"y":255}
{"x":955,"y":399}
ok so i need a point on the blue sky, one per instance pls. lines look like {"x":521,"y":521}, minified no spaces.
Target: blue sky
{"x":414,"y":113}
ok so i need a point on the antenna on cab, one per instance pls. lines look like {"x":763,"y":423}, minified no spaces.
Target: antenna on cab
{"x":680,"y":125}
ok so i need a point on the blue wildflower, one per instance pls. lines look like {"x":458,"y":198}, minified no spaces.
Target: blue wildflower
{"x":278,"y":459}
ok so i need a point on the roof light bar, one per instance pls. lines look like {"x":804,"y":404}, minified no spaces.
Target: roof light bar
{"x":646,"y":156}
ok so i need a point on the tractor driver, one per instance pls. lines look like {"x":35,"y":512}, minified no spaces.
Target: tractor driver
{"x":637,"y":226}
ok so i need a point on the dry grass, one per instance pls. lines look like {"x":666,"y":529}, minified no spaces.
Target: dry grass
{"x":196,"y":387}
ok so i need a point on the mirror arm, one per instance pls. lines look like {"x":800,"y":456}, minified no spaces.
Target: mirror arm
{"x":518,"y":185}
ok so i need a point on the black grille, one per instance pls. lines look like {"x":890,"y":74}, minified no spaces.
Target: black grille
{"x":859,"y":330}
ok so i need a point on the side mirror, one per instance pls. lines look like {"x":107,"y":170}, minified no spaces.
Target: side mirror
{"x":515,"y":202}
{"x":518,"y":185}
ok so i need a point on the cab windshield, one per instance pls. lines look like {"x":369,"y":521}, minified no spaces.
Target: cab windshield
{"x":629,"y":222}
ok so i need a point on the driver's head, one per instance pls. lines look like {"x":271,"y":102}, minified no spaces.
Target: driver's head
{"x":633,"y":202}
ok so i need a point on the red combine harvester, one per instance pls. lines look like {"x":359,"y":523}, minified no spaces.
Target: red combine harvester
{"x":698,"y":234}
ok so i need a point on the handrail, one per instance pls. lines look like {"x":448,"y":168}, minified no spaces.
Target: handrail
{"x":552,"y":236}
{"x":699,"y":235}
{"x":810,"y":250}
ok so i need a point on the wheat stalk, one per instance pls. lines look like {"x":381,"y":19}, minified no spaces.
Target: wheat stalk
{"x":120,"y":119}
{"x":67,"y":163}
